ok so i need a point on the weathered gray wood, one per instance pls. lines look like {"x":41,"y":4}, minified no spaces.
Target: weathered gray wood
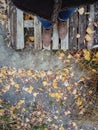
{"x":82,"y":29}
{"x":55,"y":38}
{"x":37,"y":34}
{"x":95,"y":44}
{"x":20,"y":30}
{"x":28,"y":23}
{"x":13,"y":19}
{"x":77,"y":25}
{"x":73,"y":31}
{"x":91,"y":26}
{"x":65,"y":41}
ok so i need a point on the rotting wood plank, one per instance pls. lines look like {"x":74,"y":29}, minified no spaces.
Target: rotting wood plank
{"x":91,"y":26}
{"x":73,"y":27}
{"x":65,"y":41}
{"x":37,"y":34}
{"x":20,"y":30}
{"x":28,"y":23}
{"x":82,"y":29}
{"x":55,"y":38}
{"x":96,"y":27}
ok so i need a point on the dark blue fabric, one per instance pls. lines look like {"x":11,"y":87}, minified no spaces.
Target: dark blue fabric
{"x":63,"y":16}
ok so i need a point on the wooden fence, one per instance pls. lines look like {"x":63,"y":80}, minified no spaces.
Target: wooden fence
{"x":75,"y":38}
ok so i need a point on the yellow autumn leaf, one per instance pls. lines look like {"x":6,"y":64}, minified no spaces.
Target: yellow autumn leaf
{"x":87,"y":55}
{"x":88,"y":38}
{"x":29,"y":89}
{"x":16,"y":85}
{"x":96,"y":55}
{"x":63,"y":73}
{"x":56,"y":95}
{"x":82,"y":79}
{"x":79,"y":101}
{"x":12,"y":108}
{"x":45,"y":128}
{"x":55,"y":84}
{"x":81,"y":10}
{"x":1,"y":112}
{"x":89,"y":31}
{"x":69,"y":88}
{"x":20,"y":103}
{"x":31,"y":38}
{"x":29,"y":73}
{"x":45,"y":83}
{"x":62,"y":128}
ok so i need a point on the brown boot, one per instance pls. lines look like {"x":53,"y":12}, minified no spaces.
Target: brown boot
{"x":62,"y":29}
{"x":46,"y":37}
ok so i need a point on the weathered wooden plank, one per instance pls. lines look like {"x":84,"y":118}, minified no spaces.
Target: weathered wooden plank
{"x":28,"y":23}
{"x":55,"y":38}
{"x":82,"y":29}
{"x":90,"y":25}
{"x":96,"y":27}
{"x":73,"y":30}
{"x":20,"y":30}
{"x":37,"y":34}
{"x":65,"y":41}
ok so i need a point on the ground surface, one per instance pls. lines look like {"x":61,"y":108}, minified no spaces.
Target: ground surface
{"x":38,"y":88}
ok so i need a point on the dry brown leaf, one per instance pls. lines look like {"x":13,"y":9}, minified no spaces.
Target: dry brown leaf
{"x":31,"y":38}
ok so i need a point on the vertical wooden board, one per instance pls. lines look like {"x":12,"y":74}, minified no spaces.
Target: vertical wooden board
{"x":37,"y":34}
{"x":95,"y":44}
{"x":20,"y":30}
{"x":65,"y":41}
{"x":10,"y":21}
{"x":82,"y":29}
{"x":73,"y":27}
{"x":55,"y":38}
{"x":90,"y":25}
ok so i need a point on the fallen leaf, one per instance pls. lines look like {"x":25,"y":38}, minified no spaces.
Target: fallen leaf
{"x":88,"y":38}
{"x":29,"y":89}
{"x":45,"y":83}
{"x":31,"y":38}
{"x":87,"y":55}
{"x":20,"y":102}
{"x":89,"y":31}
{"x":96,"y":55}
{"x":16,"y":85}
{"x":78,"y":36}
{"x":74,"y":92}
{"x":79,"y":101}
{"x":62,"y":128}
{"x":5,"y":88}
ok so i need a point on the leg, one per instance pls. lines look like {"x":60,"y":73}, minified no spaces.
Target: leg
{"x":47,"y":31}
{"x":63,"y":17}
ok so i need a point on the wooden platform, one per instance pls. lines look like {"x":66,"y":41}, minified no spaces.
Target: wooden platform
{"x":76,"y":38}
